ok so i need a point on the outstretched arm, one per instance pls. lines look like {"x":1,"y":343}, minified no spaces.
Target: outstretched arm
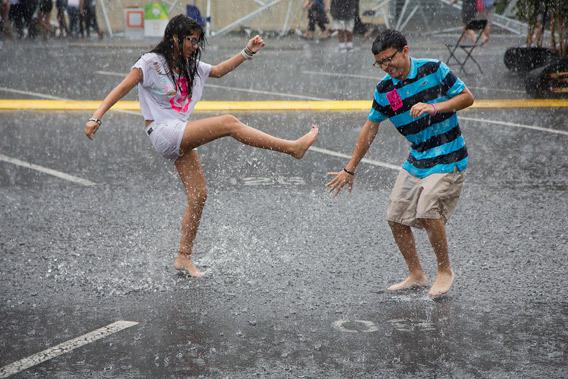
{"x":253,"y":46}
{"x":121,"y":90}
{"x":347,"y":175}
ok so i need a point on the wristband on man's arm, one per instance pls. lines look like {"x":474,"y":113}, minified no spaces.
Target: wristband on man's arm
{"x":99,"y":122}
{"x":352,"y":173}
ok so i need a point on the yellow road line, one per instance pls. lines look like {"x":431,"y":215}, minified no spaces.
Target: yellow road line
{"x":234,"y":106}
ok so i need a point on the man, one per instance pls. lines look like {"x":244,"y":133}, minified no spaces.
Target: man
{"x":420,"y":97}
{"x":343,"y":13}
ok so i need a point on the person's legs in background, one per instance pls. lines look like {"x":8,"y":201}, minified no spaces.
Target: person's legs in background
{"x":16,"y":16}
{"x":61,"y":5}
{"x":309,"y":34}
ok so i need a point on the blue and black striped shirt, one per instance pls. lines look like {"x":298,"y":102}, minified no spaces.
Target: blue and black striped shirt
{"x":437,"y":145}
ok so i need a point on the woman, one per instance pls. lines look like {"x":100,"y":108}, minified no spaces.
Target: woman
{"x":166,"y":107}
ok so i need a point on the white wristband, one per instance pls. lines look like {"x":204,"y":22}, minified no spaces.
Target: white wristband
{"x":245,"y":55}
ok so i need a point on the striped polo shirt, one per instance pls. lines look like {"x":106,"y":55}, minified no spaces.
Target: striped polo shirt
{"x":437,"y":145}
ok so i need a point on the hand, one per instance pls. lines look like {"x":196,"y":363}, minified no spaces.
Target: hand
{"x":255,"y":44}
{"x":419,"y":109}
{"x":90,"y":129}
{"x":336,"y":184}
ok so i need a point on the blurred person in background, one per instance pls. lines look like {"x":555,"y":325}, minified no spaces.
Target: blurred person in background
{"x":316,"y":16}
{"x":61,"y":6}
{"x":16,"y":16}
{"x":468,"y":13}
{"x":44,"y":17}
{"x":31,"y":23}
{"x":5,"y":24}
{"x":343,"y":13}
{"x":485,"y":12}
{"x":90,"y":18}
{"x":75,"y":12}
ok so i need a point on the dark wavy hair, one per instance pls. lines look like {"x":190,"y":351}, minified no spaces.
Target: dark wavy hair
{"x":388,"y":38}
{"x":181,"y":26}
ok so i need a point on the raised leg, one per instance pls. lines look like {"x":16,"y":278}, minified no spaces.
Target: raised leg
{"x":405,"y":241}
{"x":202,"y":131}
{"x":192,"y":176}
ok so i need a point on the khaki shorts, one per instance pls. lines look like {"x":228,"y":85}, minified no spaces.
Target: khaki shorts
{"x":432,"y":197}
{"x":347,"y":25}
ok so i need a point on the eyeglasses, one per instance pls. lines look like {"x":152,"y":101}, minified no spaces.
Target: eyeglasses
{"x":194,"y":41}
{"x":386,"y":61}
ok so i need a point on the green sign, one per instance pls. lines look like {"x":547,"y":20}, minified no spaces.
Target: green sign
{"x":155,"y":11}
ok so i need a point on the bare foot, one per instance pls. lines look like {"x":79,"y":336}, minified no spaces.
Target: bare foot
{"x":411,"y":282}
{"x":184,"y":263}
{"x":442,"y":284}
{"x":303,"y":143}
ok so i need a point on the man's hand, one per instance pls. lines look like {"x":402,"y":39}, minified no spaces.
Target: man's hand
{"x":340,"y":179}
{"x":90,"y":129}
{"x":419,"y":109}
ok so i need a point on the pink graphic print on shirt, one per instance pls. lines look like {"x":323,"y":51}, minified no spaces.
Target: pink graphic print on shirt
{"x":394,"y":100}
{"x":180,"y":102}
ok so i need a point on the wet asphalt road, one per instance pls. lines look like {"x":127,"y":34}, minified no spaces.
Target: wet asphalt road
{"x":288,"y":270}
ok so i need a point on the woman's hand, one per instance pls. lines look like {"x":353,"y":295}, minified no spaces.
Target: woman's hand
{"x":340,"y":179}
{"x":255,"y":44}
{"x":91,"y":128}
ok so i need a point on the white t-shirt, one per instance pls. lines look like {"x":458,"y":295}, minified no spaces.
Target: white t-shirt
{"x":159,"y":98}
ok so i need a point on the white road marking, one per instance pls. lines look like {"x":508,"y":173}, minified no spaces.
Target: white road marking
{"x":110,"y":73}
{"x":46,"y":170}
{"x":497,"y":89}
{"x":281,"y":94}
{"x":248,"y":90}
{"x":532,"y":127}
{"x":36,"y":94}
{"x":340,"y":74}
{"x":63,"y":348}
{"x":364,"y":160}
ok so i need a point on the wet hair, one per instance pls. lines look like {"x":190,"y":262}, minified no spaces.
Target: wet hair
{"x":388,"y":38}
{"x":180,"y":27}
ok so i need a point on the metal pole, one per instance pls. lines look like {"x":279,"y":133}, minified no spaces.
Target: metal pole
{"x":398,"y":22}
{"x":208,"y":19}
{"x":105,"y":15}
{"x":285,"y":26}
{"x":172,"y":5}
{"x":408,"y":18}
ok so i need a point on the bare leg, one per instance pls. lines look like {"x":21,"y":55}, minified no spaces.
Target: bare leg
{"x":200,"y":132}
{"x":445,"y":276}
{"x":405,"y":241}
{"x":486,"y":33}
{"x":193,"y":179}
